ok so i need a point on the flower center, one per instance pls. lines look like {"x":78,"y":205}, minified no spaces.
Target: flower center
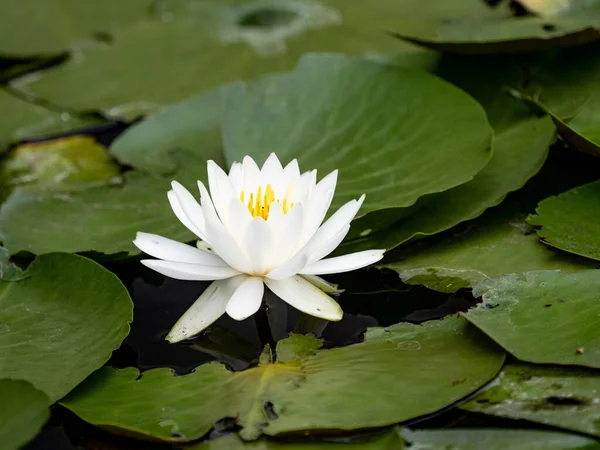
{"x":259,"y":205}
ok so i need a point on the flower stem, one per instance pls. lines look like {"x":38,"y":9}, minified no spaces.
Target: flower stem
{"x":262,"y":325}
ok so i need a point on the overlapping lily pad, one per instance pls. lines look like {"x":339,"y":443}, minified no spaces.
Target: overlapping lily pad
{"x":414,"y":367}
{"x":461,"y":26}
{"x":193,"y":46}
{"x":30,"y":27}
{"x":23,"y":412}
{"x":561,"y":397}
{"x":496,"y":439}
{"x":544,"y":317}
{"x":571,"y":221}
{"x":60,"y":321}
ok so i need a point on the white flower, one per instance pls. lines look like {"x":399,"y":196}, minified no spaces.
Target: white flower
{"x":257,"y":227}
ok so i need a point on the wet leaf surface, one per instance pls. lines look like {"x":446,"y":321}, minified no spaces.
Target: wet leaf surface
{"x":281,"y":397}
{"x":562,"y":397}
{"x":23,"y":412}
{"x":542,"y":317}
{"x":60,"y":322}
{"x":571,"y":221}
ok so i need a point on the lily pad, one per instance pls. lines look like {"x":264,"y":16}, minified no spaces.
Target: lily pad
{"x":23,"y":412}
{"x":64,"y":164}
{"x":389,"y":440}
{"x":475,"y":27}
{"x":193,"y":46}
{"x":30,"y":27}
{"x":561,"y":397}
{"x":490,"y":439}
{"x":330,"y":389}
{"x":20,"y":120}
{"x":60,"y":322}
{"x":499,"y":242}
{"x":544,"y":318}
{"x":571,"y":221}
{"x":385,"y":128}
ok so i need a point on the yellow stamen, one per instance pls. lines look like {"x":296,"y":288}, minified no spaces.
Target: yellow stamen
{"x":260,"y":206}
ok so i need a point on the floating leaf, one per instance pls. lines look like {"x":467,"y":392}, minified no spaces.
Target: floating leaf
{"x":30,"y":27}
{"x":23,"y":412}
{"x":331,"y":389}
{"x":60,"y":322}
{"x":384,"y":127}
{"x":545,"y":317}
{"x":571,"y":221}
{"x":549,"y":8}
{"x":62,"y":164}
{"x":561,"y":397}
{"x":490,"y":439}
{"x":199,"y":45}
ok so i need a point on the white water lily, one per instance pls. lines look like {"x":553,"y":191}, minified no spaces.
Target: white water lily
{"x":257,"y":227}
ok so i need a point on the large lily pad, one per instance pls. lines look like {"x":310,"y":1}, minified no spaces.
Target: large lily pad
{"x":31,"y":27}
{"x":60,"y":322}
{"x":545,"y":318}
{"x":194,"y":46}
{"x":500,"y":242}
{"x":476,"y":27}
{"x":490,"y":439}
{"x":23,"y":412}
{"x":561,"y":397}
{"x":387,"y":129}
{"x":419,"y":369}
{"x":571,"y":221}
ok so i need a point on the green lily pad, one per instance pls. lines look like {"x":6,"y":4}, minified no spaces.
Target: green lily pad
{"x":389,"y":440}
{"x":384,"y":127}
{"x":30,"y":27}
{"x":8,"y":269}
{"x":499,"y":242}
{"x":561,"y":397}
{"x":20,"y":120}
{"x":194,"y":46}
{"x":23,"y":412}
{"x":490,"y":439}
{"x":475,"y":27}
{"x":330,"y":389}
{"x":60,"y":322}
{"x":76,"y":162}
{"x":571,"y":221}
{"x":550,"y":8}
{"x":533,"y":318}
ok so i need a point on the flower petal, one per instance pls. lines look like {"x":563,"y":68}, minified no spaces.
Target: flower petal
{"x":260,"y":246}
{"x":183,"y":218}
{"x":188,"y":271}
{"x":247,"y":299}
{"x":170,"y":250}
{"x":305,"y":297}
{"x":319,"y":202}
{"x":288,"y":231}
{"x":250,"y":175}
{"x":344,"y":263}
{"x":272,"y":170}
{"x":221,"y":190}
{"x":324,"y":285}
{"x":289,"y":268}
{"x":190,"y":206}
{"x":236,"y":177}
{"x":208,"y":308}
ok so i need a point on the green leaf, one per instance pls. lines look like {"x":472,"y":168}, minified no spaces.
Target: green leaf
{"x":61,"y":322}
{"x":8,"y":269}
{"x":30,"y":27}
{"x":490,"y":439}
{"x":418,"y":370}
{"x":549,"y":8}
{"x":384,"y":127}
{"x":23,"y":412}
{"x":20,"y":120}
{"x":194,"y":46}
{"x":389,"y":440}
{"x":561,"y":397}
{"x":499,"y":242}
{"x":544,"y":318}
{"x":474,"y":27}
{"x":76,"y":162}
{"x":571,"y":221}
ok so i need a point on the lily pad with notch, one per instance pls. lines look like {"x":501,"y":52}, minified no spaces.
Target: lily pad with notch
{"x":306,"y":389}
